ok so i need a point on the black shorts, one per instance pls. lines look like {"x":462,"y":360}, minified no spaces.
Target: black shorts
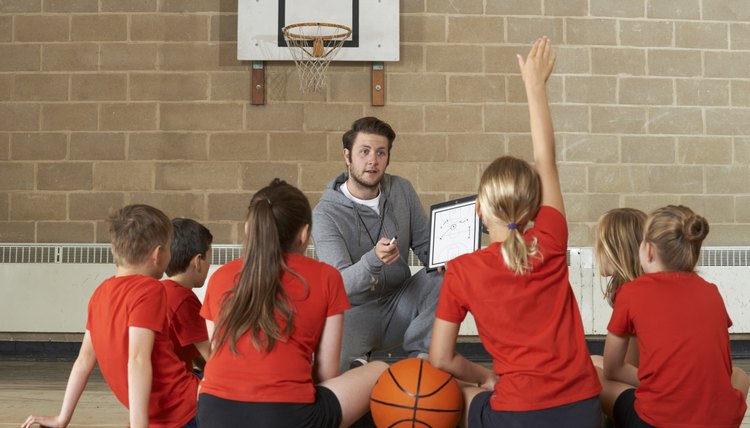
{"x":624,"y":411}
{"x":215,"y":412}
{"x":581,"y":414}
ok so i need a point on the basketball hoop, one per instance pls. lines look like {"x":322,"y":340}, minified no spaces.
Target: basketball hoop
{"x":313,"y":45}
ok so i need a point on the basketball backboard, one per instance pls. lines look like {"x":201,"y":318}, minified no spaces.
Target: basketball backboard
{"x":374,"y":24}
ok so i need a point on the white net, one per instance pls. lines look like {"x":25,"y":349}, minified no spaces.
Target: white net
{"x":313,"y":46}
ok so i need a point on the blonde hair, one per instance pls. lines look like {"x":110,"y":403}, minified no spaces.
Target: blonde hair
{"x":619,"y":233}
{"x":677,"y":233}
{"x":510,"y":196}
{"x":135,"y":230}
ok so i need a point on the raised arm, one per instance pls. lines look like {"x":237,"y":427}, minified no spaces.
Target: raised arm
{"x":79,"y":377}
{"x":535,"y":70}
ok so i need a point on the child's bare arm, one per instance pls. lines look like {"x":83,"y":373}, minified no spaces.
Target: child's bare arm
{"x":79,"y":377}
{"x":443,"y":356}
{"x":210,"y":326}
{"x":535,"y":70}
{"x":141,"y":343}
{"x":326,"y":365}
{"x":615,"y":367}
{"x":204,"y":348}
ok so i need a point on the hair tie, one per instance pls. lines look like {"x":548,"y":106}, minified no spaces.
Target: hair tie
{"x":269,"y":202}
{"x":512,"y":226}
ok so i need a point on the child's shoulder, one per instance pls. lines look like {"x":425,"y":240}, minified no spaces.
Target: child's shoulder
{"x":229,"y":268}
{"x":549,"y":216}
{"x":479,"y":257}
{"x":176,"y":291}
{"x":132,"y":281}
{"x":128,"y":288}
{"x":310,"y":264}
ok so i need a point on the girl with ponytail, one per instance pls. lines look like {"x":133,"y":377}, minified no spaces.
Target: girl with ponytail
{"x":685,"y":375}
{"x":517,"y":289}
{"x":275,"y":318}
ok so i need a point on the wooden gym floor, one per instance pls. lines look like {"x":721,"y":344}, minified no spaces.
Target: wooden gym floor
{"x":37,"y":387}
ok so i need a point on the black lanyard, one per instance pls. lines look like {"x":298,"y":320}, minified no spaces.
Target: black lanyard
{"x":380,"y":228}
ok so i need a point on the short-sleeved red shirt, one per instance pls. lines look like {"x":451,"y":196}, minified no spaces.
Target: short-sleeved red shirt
{"x":529,"y":323}
{"x":685,"y":359}
{"x":140,"y":301}
{"x":284,"y":374}
{"x":186,"y":326}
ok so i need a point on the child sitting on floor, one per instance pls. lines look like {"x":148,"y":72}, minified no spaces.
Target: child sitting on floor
{"x":127,"y":332}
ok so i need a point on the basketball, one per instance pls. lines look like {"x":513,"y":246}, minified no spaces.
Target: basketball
{"x":412,"y":393}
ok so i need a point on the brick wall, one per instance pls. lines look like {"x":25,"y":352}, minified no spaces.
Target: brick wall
{"x":109,"y":102}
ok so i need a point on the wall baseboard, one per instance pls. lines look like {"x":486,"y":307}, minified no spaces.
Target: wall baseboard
{"x":18,"y":350}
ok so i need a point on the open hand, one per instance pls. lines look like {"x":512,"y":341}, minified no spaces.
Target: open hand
{"x":44,"y":421}
{"x":538,"y":65}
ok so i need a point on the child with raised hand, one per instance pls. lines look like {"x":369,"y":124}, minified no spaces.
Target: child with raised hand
{"x":188,"y":269}
{"x":127,"y":332}
{"x":518,"y":291}
{"x":275,"y":321}
{"x":619,"y":233}
{"x":685,"y":376}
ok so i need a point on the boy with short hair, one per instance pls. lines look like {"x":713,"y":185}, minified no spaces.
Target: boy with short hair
{"x":188,"y":269}
{"x":127,"y":331}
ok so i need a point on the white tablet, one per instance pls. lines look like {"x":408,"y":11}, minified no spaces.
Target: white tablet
{"x":455,"y":229}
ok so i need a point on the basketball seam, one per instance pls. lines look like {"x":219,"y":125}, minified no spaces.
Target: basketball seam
{"x":393,"y":377}
{"x":416,"y":399}
{"x":403,"y":406}
{"x":439,"y":388}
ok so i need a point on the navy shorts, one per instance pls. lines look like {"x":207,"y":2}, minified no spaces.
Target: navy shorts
{"x":624,"y":411}
{"x":215,"y":412}
{"x":581,"y":414}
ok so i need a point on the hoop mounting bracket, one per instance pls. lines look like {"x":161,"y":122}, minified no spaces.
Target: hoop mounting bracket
{"x":258,"y":84}
{"x":378,"y":83}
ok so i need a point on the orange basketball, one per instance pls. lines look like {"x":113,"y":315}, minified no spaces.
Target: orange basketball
{"x":412,"y":393}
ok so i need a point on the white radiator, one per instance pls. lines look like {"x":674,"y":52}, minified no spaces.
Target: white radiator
{"x":44,"y":288}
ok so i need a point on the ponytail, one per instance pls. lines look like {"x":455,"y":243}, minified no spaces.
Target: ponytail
{"x":258,"y":303}
{"x":517,"y":253}
{"x":510,"y":195}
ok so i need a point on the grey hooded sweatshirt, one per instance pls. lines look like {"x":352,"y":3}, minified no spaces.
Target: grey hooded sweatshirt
{"x":345,"y":233}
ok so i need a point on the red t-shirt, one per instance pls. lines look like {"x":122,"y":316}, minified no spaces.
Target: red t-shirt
{"x":685,"y":360}
{"x":186,"y":326}
{"x":529,"y":323}
{"x":140,"y":301}
{"x":284,"y":374}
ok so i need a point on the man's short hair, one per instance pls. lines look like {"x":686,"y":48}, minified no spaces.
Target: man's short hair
{"x":369,"y":125}
{"x":135,"y":230}
{"x":188,"y":239}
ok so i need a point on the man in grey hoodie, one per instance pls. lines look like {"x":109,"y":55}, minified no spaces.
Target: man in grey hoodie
{"x":364,"y":225}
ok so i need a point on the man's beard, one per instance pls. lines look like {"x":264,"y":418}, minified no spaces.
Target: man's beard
{"x":365,"y":184}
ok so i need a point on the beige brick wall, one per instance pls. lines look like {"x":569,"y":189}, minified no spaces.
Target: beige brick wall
{"x":104,"y":103}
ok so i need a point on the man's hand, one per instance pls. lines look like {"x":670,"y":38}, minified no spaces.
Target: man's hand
{"x":387,"y":250}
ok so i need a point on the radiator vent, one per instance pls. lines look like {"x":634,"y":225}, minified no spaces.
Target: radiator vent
{"x":221,"y":254}
{"x":101,"y":254}
{"x":725,"y":256}
{"x":56,"y":253}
